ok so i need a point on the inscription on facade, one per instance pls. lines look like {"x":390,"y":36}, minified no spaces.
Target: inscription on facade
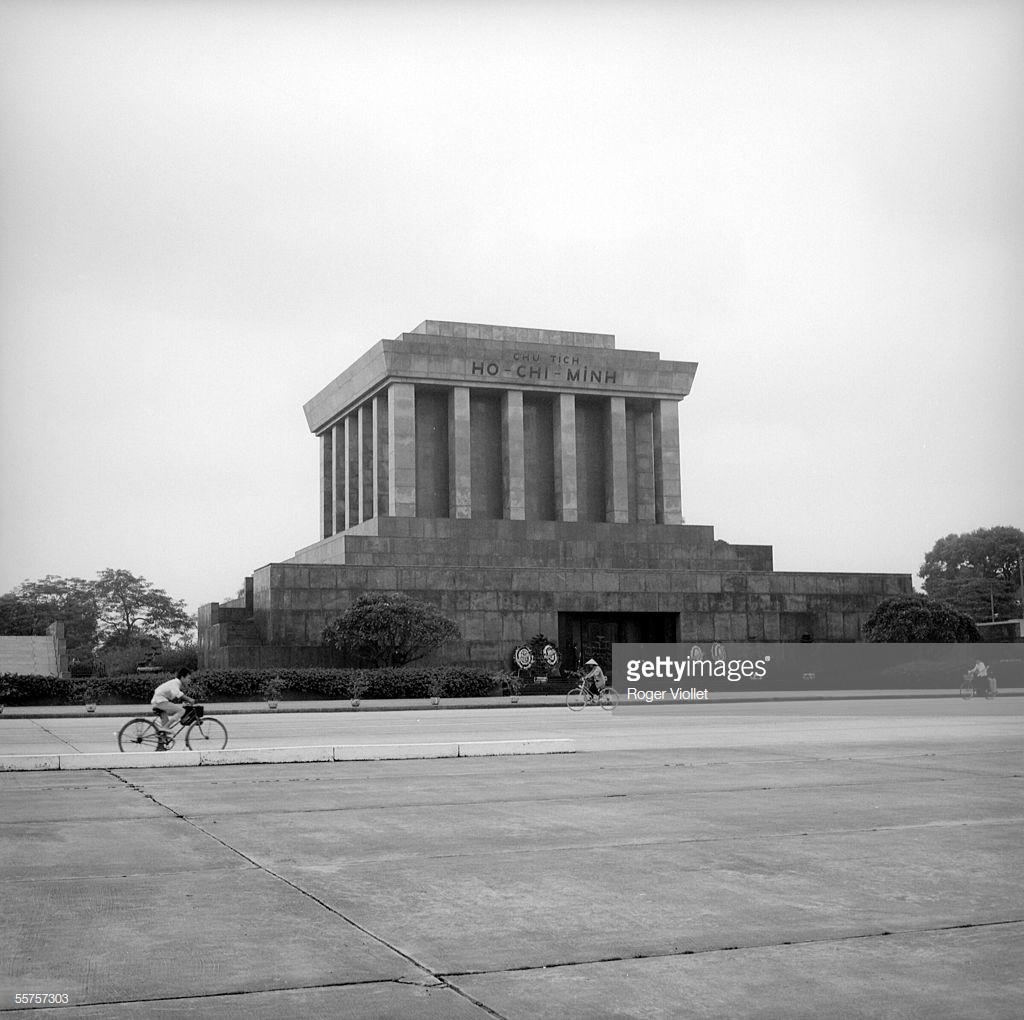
{"x":531,"y":367}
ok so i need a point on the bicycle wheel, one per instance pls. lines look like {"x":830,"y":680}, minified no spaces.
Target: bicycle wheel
{"x":138,"y":735}
{"x":967,"y":690}
{"x":609,"y":698}
{"x":576,"y":699}
{"x":206,"y":735}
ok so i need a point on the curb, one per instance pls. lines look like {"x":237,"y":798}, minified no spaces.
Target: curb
{"x":549,"y":701}
{"x":281,"y":755}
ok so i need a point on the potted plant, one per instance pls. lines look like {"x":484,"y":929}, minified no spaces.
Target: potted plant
{"x":357,"y":685}
{"x":89,"y":696}
{"x":272,"y":692}
{"x":436,"y":688}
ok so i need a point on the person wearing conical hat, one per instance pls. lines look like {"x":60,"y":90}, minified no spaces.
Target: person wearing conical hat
{"x":594,"y":679}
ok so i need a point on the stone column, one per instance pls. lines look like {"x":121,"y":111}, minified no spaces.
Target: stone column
{"x":338,"y":471}
{"x":513,"y":456}
{"x":460,"y":489}
{"x":352,"y":506}
{"x":402,"y":450}
{"x":617,"y":495}
{"x":643,"y":464}
{"x":326,"y":483}
{"x":566,"y":486}
{"x":366,"y":436}
{"x":668,"y":507}
{"x":380,"y":453}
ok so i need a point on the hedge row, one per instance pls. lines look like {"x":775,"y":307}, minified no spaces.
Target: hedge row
{"x":251,"y":685}
{"x":1008,"y":672}
{"x":406,"y":682}
{"x":21,"y":689}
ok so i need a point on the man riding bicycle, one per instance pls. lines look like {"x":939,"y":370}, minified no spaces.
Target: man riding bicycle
{"x":986,"y":683}
{"x":169,"y":701}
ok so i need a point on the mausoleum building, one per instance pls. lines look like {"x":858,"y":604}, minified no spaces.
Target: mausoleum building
{"x":525,"y":481}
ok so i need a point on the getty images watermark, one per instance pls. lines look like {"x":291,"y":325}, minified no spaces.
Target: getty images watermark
{"x":661,"y":672}
{"x":695,"y":672}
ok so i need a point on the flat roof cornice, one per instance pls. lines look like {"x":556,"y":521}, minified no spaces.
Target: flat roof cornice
{"x":538,"y":365}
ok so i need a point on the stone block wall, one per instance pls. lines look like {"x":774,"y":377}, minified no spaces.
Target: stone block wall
{"x":36,"y":655}
{"x":504,"y":581}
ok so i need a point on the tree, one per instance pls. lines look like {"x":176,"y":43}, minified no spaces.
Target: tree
{"x":132,"y":608}
{"x":32,"y":606}
{"x":917,"y":619}
{"x":116,"y":611}
{"x":389,"y":629}
{"x":978,"y":572}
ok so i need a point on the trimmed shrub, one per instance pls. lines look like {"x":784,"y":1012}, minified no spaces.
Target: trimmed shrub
{"x":389,"y":630}
{"x":918,"y":619}
{"x":134,"y":689}
{"x":399,"y":682}
{"x":248,"y":685}
{"x":30,"y":689}
{"x":925,"y":674}
{"x":20,"y":689}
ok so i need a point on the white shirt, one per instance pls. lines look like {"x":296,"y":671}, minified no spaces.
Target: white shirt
{"x":167,"y":691}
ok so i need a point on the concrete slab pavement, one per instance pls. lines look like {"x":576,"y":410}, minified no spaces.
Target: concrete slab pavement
{"x":749,"y":873}
{"x":199,"y":931}
{"x":851,"y":979}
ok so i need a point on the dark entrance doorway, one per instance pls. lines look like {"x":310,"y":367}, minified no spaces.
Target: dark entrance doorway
{"x":582,"y":636}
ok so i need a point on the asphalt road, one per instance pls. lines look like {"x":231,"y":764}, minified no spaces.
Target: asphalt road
{"x":850,"y":860}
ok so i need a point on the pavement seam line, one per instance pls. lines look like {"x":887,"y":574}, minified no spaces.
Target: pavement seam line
{"x":632,"y":844}
{"x":258,"y":991}
{"x":643,"y":794}
{"x":436,"y":979}
{"x":56,"y":736}
{"x":796,"y":943}
{"x":718,"y":839}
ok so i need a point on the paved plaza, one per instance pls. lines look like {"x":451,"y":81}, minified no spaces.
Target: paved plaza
{"x":811,"y":859}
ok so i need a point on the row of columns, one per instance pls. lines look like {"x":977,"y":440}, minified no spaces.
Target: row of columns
{"x":354,"y":467}
{"x":369,"y":460}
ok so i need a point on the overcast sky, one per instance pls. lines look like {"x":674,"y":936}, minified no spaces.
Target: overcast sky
{"x":209,"y":210}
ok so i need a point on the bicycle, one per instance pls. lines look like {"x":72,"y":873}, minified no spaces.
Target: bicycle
{"x":202,"y":733}
{"x":579,"y":697}
{"x":967,"y":690}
